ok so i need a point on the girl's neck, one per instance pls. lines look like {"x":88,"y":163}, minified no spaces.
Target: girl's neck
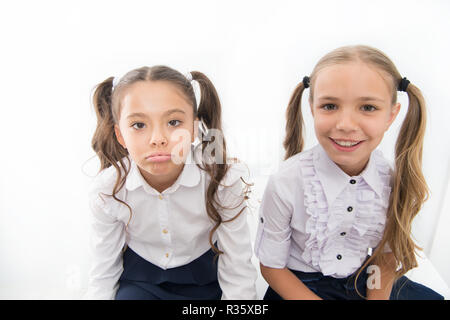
{"x":354,"y":170}
{"x":161,"y":182}
{"x":350,"y":173}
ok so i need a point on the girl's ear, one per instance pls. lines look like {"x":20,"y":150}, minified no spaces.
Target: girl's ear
{"x":393,"y":114}
{"x":119,"y":136}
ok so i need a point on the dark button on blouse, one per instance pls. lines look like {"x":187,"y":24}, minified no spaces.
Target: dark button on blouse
{"x":352,"y":181}
{"x":350,"y":209}
{"x":339,"y":257}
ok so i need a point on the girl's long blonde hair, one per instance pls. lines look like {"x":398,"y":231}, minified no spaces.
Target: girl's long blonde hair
{"x":409,"y":188}
{"x":104,"y":142}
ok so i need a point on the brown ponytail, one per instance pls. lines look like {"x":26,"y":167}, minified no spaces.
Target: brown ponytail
{"x":104,"y":142}
{"x":108,"y":149}
{"x":210,"y":111}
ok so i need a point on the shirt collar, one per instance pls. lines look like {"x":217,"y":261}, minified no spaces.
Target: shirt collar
{"x":189,"y":177}
{"x":334,"y":180}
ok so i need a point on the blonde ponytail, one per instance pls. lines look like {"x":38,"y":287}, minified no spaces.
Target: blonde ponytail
{"x":293,"y":141}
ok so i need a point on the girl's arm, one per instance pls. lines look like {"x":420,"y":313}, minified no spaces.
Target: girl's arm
{"x":286,"y":284}
{"x":386,"y":274}
{"x":236,"y":273}
{"x":107,"y":240}
{"x":273,"y":239}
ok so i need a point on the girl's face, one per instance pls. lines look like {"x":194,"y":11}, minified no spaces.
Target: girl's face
{"x":352,"y":108}
{"x":156,"y":127}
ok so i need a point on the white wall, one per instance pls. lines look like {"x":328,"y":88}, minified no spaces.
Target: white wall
{"x":440,"y":253}
{"x":255,"y":52}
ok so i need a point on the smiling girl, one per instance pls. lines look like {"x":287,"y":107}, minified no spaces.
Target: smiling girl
{"x":161,"y":211}
{"x":330,"y":206}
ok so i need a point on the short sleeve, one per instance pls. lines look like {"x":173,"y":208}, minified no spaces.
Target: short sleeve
{"x":273,"y":237}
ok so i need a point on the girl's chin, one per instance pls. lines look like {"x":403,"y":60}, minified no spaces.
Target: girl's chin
{"x":157,"y":168}
{"x":162,"y":168}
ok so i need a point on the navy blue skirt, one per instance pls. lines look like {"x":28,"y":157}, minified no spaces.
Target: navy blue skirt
{"x":142,"y":280}
{"x":329,"y":288}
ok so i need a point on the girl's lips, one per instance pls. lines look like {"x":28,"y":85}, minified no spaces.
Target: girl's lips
{"x":159,"y":158}
{"x":346,"y":149}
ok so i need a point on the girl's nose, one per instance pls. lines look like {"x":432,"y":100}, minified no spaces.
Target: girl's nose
{"x":346,"y":122}
{"x":158,"y":139}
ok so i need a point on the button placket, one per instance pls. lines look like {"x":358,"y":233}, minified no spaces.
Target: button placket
{"x":350,"y":205}
{"x":348,"y":198}
{"x":164,"y":227}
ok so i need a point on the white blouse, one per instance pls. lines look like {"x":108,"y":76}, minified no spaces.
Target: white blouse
{"x":316,"y":218}
{"x":169,"y":229}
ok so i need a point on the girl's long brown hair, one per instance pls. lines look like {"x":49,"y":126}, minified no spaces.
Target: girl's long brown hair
{"x":107,"y":101}
{"x":409,"y":188}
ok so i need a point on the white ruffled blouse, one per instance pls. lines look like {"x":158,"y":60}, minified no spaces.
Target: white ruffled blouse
{"x":316,"y":218}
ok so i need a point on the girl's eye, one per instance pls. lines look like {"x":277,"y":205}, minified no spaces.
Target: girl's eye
{"x":138,"y":125}
{"x":174,"y":123}
{"x":368,"y":108}
{"x":329,"y":107}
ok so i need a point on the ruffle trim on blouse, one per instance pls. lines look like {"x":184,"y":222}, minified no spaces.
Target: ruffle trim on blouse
{"x":323,"y":225}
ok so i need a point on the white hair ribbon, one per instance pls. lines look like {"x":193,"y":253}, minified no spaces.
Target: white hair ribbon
{"x":188,"y":76}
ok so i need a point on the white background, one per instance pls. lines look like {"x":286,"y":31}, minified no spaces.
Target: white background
{"x":53,"y":53}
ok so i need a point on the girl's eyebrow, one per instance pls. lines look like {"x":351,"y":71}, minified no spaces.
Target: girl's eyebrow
{"x":371,"y":99}
{"x":137,"y":115}
{"x":328,"y":98}
{"x":360,"y":98}
{"x":143,"y":115}
{"x":169,"y":112}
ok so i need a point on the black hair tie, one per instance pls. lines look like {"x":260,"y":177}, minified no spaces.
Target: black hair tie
{"x":403,"y":85}
{"x":305,"y":82}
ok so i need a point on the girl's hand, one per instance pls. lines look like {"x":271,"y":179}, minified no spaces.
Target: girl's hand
{"x":385,"y":271}
{"x":286,"y":284}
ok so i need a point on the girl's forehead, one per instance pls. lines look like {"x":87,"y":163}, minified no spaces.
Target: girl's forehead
{"x":352,"y":79}
{"x":153,"y":97}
